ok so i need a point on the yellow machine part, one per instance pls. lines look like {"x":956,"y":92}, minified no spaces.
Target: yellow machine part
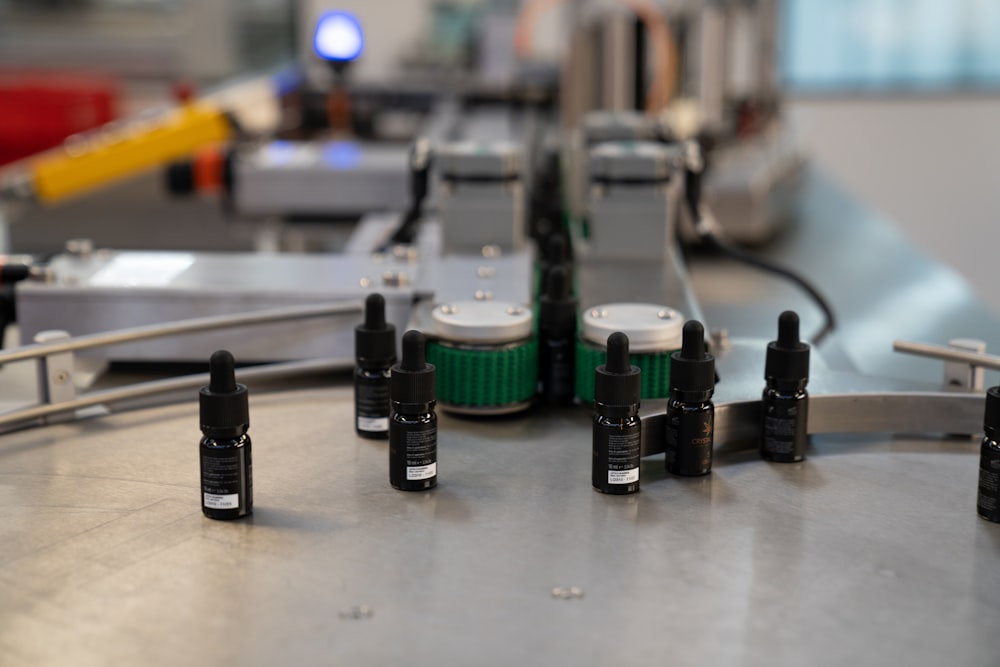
{"x":118,"y":150}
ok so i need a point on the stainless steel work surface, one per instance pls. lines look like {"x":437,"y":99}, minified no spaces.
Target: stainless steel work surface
{"x":869,"y":552}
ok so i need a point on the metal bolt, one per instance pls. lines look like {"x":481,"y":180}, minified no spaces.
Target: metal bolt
{"x":667,"y":314}
{"x":448,"y":309}
{"x":486,"y":272}
{"x":60,"y":377}
{"x":365,"y":282}
{"x":80,"y":247}
{"x":393,"y":278}
{"x":720,"y":339}
{"x":491,"y":251}
{"x":515,"y":310}
{"x":405,"y":252}
{"x":598,"y":314}
{"x":483,"y":295}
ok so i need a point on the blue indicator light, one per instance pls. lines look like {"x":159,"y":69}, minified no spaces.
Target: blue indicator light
{"x":342,"y":155}
{"x":338,"y":37}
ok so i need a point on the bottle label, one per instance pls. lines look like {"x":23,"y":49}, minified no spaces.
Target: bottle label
{"x":623,"y":457}
{"x":227,"y":502}
{"x":225,"y":478}
{"x":559,"y":370}
{"x":689,"y":442}
{"x":784,"y":431}
{"x":988,"y":501}
{"x":371,"y":405}
{"x":375,"y":424}
{"x":421,"y":452}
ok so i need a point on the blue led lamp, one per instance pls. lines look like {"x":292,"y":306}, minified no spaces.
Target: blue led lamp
{"x":338,"y":38}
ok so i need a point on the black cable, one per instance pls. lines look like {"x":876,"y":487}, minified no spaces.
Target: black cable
{"x":420,"y":166}
{"x":707,"y":230}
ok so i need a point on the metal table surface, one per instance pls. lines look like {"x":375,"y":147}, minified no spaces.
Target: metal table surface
{"x":868,"y":552}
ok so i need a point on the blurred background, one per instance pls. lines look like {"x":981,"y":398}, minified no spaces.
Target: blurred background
{"x":897,"y":100}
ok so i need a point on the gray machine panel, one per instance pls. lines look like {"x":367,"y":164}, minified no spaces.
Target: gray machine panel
{"x":284,"y":178}
{"x":108,"y":291}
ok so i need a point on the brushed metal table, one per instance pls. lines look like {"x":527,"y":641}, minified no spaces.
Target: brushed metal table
{"x":869,"y":552}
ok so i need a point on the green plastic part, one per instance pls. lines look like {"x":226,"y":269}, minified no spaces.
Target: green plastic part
{"x":485,"y":377}
{"x":655,"y":368}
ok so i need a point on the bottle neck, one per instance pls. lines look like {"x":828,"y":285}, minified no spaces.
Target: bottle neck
{"x":691,"y":396}
{"x":225,"y":433}
{"x":616,"y":411}
{"x":413,"y":408}
{"x":786,"y":386}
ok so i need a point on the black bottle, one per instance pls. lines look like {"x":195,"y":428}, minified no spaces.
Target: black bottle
{"x":374,"y":354}
{"x":555,"y":252}
{"x":413,"y":424}
{"x":226,"y":468}
{"x":988,"y":501}
{"x":616,"y":440}
{"x":557,"y":334}
{"x":785,"y":403}
{"x":690,"y":413}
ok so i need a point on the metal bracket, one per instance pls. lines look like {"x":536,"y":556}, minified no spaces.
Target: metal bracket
{"x":963,"y":374}
{"x":55,"y":376}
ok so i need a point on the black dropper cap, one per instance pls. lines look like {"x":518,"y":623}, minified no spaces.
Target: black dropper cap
{"x":557,"y":313}
{"x":788,"y":357}
{"x":413,"y":383}
{"x":991,"y":420}
{"x":617,"y":383}
{"x":375,"y":341}
{"x":223,"y":403}
{"x":692,"y":370}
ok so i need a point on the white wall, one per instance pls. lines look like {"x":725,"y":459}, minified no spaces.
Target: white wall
{"x":932,"y":165}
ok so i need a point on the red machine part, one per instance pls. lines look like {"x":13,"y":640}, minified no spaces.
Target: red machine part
{"x":38,"y":110}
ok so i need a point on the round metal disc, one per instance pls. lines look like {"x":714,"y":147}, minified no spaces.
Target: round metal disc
{"x":649,"y":327}
{"x":482,"y":321}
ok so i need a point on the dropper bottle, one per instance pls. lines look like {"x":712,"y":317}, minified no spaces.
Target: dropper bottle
{"x":785,"y":403}
{"x":374,"y":354}
{"x":226,"y":467}
{"x":988,"y":500}
{"x":616,"y":430}
{"x":690,"y":412}
{"x":413,"y":424}
{"x":557,"y":339}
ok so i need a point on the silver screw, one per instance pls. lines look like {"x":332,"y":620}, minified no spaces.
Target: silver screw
{"x":365,"y":282}
{"x":393,"y":278}
{"x":491,"y":251}
{"x":486,"y":272}
{"x":515,"y":310}
{"x":720,"y":339}
{"x":448,"y":309}
{"x":598,"y":314}
{"x":667,"y":314}
{"x":483,"y":295}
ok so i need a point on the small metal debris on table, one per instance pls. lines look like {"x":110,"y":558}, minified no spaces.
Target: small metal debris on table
{"x":357,"y":612}
{"x":567,"y":593}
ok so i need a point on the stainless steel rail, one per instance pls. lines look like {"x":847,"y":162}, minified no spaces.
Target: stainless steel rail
{"x":894,"y":412}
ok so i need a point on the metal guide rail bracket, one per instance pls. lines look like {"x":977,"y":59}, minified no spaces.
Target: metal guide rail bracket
{"x":952,"y":412}
{"x":53,"y":352}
